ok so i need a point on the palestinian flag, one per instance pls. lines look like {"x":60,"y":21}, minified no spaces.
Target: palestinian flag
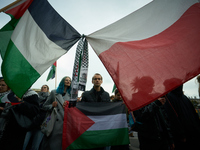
{"x":39,"y":39}
{"x":52,"y":72}
{"x":10,"y":98}
{"x":114,"y":87}
{"x":152,"y":50}
{"x":93,"y":125}
{"x":15,"y":12}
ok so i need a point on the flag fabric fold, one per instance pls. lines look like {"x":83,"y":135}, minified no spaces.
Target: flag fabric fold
{"x":52,"y":72}
{"x":15,"y":12}
{"x":151,"y":51}
{"x":92,"y":125}
{"x":39,"y":39}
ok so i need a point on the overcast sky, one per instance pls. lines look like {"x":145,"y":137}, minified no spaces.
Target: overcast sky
{"x":88,"y":16}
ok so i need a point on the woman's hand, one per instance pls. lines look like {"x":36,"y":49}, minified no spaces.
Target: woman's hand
{"x":54,"y":104}
{"x":19,"y":99}
{"x":64,"y":104}
{"x":78,"y":99}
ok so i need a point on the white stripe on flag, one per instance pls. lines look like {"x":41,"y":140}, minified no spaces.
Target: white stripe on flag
{"x":106,"y":122}
{"x":132,"y":27}
{"x":37,"y":49}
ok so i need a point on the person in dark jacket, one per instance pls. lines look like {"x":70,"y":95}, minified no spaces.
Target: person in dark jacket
{"x":185,"y":123}
{"x":97,"y":93}
{"x":152,"y":127}
{"x":14,"y":134}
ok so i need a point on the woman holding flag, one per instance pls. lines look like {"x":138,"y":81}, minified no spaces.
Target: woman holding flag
{"x":56,"y":100}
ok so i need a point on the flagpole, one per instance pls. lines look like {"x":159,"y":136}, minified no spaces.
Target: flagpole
{"x":56,"y":76}
{"x":10,"y":5}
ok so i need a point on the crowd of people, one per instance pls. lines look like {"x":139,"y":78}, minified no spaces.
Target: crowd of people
{"x":170,"y":122}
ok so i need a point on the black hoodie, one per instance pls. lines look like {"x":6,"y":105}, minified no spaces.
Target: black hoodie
{"x":184,"y":120}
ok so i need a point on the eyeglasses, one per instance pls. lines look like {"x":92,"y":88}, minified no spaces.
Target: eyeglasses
{"x":44,"y":87}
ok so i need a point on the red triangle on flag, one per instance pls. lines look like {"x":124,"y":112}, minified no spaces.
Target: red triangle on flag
{"x":74,"y":125}
{"x":17,"y":10}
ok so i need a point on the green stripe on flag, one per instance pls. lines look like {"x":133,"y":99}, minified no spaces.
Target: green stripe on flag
{"x":94,"y":139}
{"x":22,"y":77}
{"x":52,"y":72}
{"x":4,"y":40}
{"x":5,"y":34}
{"x":114,"y":87}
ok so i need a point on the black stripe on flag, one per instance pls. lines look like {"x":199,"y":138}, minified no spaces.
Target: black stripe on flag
{"x":101,"y":108}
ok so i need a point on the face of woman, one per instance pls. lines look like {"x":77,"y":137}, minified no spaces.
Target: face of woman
{"x":44,"y":88}
{"x":3,"y":87}
{"x":67,"y":81}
